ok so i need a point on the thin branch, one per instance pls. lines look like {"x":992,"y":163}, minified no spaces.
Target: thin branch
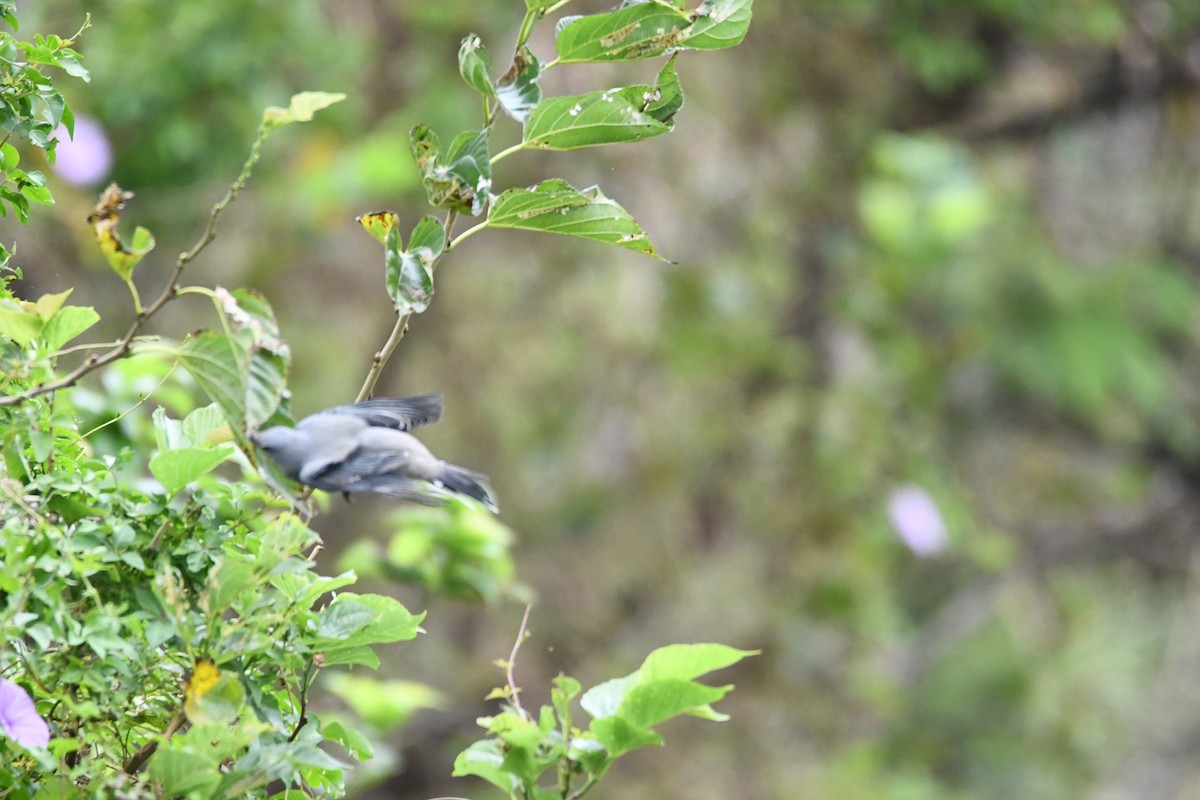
{"x":380,"y":359}
{"x":149,"y":748}
{"x":169,"y":292}
{"x":516,"y":148}
{"x":469,"y":232}
{"x":300,"y":723}
{"x":513,"y":691}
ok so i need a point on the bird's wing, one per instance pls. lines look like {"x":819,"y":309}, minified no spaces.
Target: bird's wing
{"x":377,"y":472}
{"x":333,"y":438}
{"x":401,"y":413}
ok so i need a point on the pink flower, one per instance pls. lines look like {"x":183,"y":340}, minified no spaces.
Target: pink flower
{"x":917,"y":520}
{"x":19,"y":720}
{"x":86,"y":158}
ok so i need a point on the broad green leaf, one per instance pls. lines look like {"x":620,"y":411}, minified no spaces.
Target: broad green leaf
{"x":390,"y":622}
{"x":687,"y":661}
{"x":475,"y":65}
{"x":69,"y":322}
{"x":384,"y":704}
{"x":619,"y":736}
{"x":246,"y":386}
{"x":341,"y":619}
{"x":244,"y":372}
{"x":185,"y":773}
{"x":18,"y":322}
{"x":610,"y":116}
{"x":199,"y":428}
{"x":301,"y":108}
{"x":648,"y":704}
{"x":518,"y":90}
{"x":554,"y":206}
{"x":227,"y":581}
{"x":604,"y":699}
{"x":410,"y":271}
{"x":484,"y":760}
{"x":175,"y":469}
{"x":649,"y":29}
{"x":355,"y":743}
{"x":461,"y":178}
{"x":48,"y":305}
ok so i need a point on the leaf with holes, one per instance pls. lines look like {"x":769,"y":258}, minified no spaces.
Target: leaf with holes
{"x":461,"y":178}
{"x":648,"y":29}
{"x":554,"y":206}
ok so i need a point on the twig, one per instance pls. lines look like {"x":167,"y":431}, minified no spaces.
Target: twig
{"x":380,"y":359}
{"x":148,"y":749}
{"x":300,"y":723}
{"x":513,"y":691}
{"x":122,"y":347}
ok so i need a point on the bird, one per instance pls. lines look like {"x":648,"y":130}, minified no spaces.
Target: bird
{"x":366,"y":448}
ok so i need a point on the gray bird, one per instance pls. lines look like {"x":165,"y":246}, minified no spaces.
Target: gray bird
{"x":365,"y":447}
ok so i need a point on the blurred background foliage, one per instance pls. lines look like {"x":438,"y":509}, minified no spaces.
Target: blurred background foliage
{"x":949,"y":247}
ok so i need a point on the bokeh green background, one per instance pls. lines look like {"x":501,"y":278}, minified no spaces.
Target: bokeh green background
{"x":945,"y":244}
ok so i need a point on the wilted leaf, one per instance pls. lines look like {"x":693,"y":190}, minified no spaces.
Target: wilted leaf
{"x":518,"y":90}
{"x":410,"y":271}
{"x":475,"y":65}
{"x":461,"y":178}
{"x":554,"y":206}
{"x":301,"y":108}
{"x":378,"y":224}
{"x":104,"y":219}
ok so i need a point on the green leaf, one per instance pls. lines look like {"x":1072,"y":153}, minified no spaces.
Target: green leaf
{"x":610,"y":116}
{"x":687,"y":661}
{"x":410,"y":271}
{"x":301,"y":108}
{"x":565,"y":689}
{"x":667,"y":97}
{"x":603,"y":700}
{"x":245,"y":372}
{"x":341,"y":619}
{"x":69,"y":322}
{"x":175,"y":469}
{"x":518,"y":90}
{"x":648,"y":704}
{"x":461,"y":178}
{"x":19,"y":322}
{"x":554,"y":206}
{"x":649,"y":29}
{"x":183,"y":772}
{"x":389,"y":622}
{"x":355,"y":743}
{"x":475,"y":65}
{"x":8,"y":13}
{"x":228,"y":580}
{"x":386,"y":705}
{"x":484,"y":760}
{"x":619,"y":736}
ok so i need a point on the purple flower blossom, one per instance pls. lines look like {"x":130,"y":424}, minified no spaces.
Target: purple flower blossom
{"x":917,"y":520}
{"x":85,"y":159}
{"x":19,"y":720}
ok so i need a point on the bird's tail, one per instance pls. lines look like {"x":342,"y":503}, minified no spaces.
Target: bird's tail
{"x":465,"y":482}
